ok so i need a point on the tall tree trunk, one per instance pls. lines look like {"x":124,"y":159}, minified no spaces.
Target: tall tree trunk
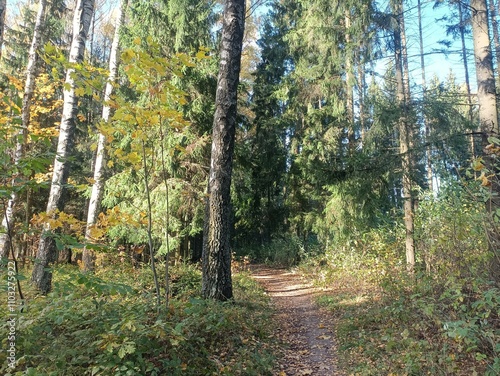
{"x":46,"y":255}
{"x":496,"y":37}
{"x":21,"y":137}
{"x":216,"y":282}
{"x":488,"y":116}
{"x":405,"y":130}
{"x":362,"y":93}
{"x":351,"y":133}
{"x":427,"y":127}
{"x":467,"y":77}
{"x":3,"y":9}
{"x":100,"y":161}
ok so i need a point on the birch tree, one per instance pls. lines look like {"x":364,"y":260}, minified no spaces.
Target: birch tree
{"x":46,"y":254}
{"x":21,"y":137}
{"x":216,"y":282}
{"x":100,"y":161}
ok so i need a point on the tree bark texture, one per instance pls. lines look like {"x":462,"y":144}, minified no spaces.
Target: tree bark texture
{"x":405,"y":132}
{"x":466,"y":72}
{"x":362,"y":94}
{"x":488,"y":117}
{"x":349,"y":86}
{"x":46,"y":255}
{"x":484,"y":70}
{"x":88,"y":257}
{"x":216,"y":260}
{"x":21,"y":137}
{"x":424,"y":92}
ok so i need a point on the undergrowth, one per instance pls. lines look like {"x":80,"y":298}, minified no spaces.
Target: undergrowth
{"x":444,"y":319}
{"x":415,"y":327}
{"x":282,"y":251}
{"x":108,"y":324}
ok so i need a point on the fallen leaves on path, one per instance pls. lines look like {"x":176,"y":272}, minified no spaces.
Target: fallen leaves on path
{"x":305,"y":330}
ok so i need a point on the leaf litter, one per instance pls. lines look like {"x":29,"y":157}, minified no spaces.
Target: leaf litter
{"x":304,"y":330}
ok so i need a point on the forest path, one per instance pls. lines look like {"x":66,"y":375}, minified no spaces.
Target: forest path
{"x":306,"y":330}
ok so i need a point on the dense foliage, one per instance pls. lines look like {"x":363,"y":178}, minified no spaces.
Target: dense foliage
{"x":104,"y":324}
{"x":345,"y":162}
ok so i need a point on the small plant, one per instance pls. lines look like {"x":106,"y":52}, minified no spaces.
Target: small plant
{"x":104,"y":324}
{"x":442,"y":320}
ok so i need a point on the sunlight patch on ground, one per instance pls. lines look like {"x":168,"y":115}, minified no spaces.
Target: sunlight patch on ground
{"x":353,"y":301}
{"x":262,"y":276}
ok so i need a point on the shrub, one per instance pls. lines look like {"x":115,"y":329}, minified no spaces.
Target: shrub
{"x":91,"y":325}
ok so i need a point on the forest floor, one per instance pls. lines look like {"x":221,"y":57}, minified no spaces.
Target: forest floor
{"x":304,"y":329}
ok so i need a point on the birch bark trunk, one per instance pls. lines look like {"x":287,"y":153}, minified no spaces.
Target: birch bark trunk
{"x":216,"y":260}
{"x":88,"y":257}
{"x":21,"y":137}
{"x":46,"y":254}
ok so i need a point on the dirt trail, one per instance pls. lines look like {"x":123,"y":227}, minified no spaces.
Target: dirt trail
{"x":305,"y":328}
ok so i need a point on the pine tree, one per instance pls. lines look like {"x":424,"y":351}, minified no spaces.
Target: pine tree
{"x":496,"y":38}
{"x":404,"y":128}
{"x":260,"y":157}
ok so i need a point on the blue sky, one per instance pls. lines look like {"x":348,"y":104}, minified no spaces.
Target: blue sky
{"x":437,"y":64}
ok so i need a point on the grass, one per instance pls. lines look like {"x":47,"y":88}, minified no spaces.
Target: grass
{"x":108,"y":324}
{"x":388,"y":323}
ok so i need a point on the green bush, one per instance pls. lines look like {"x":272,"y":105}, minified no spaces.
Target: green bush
{"x":90,"y":325}
{"x":443,"y":319}
{"x":449,"y":234}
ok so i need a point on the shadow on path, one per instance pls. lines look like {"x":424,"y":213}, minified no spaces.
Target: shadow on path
{"x":300,"y":323}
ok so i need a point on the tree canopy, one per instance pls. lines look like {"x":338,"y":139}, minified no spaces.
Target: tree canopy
{"x":203,"y":132}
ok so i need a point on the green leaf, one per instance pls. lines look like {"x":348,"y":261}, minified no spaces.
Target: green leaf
{"x":127,"y":348}
{"x":494,"y":140}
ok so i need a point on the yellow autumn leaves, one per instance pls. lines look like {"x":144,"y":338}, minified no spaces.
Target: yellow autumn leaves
{"x":478,"y":165}
{"x":68,"y":224}
{"x":44,"y":110}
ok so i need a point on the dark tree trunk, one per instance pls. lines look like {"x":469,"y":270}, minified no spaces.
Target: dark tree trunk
{"x":405,"y":130}
{"x":196,"y":247}
{"x":467,"y":78}
{"x":216,"y":260}
{"x":494,"y":28}
{"x":3,"y":8}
